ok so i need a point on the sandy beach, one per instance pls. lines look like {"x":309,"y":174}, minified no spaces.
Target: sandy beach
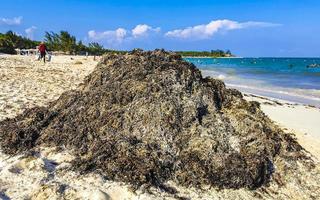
{"x":25,"y":83}
{"x":302,"y":120}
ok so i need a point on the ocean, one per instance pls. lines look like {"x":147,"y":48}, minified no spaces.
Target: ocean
{"x":291,"y":79}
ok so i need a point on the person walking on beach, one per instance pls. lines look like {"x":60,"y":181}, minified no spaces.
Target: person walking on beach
{"x":42,"y":50}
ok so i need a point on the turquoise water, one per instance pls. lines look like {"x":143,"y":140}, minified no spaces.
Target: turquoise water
{"x":293,"y":79}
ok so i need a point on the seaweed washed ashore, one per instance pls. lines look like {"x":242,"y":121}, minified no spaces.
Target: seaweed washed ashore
{"x":149,"y":117}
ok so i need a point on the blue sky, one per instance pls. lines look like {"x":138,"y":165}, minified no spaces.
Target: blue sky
{"x":247,"y":28}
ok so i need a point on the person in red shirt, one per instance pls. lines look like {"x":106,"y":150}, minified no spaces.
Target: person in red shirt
{"x":43,"y":49}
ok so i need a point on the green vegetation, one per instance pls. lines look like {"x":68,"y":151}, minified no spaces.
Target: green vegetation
{"x":67,"y":43}
{"x":96,"y":48}
{"x":212,"y":53}
{"x":11,"y":41}
{"x":6,"y":46}
{"x":62,"y":41}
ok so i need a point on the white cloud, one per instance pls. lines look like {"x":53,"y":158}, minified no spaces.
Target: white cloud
{"x":120,"y":35}
{"x":110,"y":36}
{"x":11,"y":22}
{"x":30,"y":32}
{"x":205,"y":31}
{"x":258,"y":24}
{"x":143,"y":30}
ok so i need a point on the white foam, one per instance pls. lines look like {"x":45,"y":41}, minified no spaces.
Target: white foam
{"x":221,"y":77}
{"x":259,"y":87}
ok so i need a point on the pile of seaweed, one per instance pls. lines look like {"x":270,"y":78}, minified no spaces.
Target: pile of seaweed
{"x":149,"y":117}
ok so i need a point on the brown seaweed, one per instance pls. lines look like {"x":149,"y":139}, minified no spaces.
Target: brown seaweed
{"x":149,"y":117}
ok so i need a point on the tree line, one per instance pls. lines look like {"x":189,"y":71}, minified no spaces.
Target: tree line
{"x":212,"y":53}
{"x":62,"y":41}
{"x":11,"y":41}
{"x":65,"y":42}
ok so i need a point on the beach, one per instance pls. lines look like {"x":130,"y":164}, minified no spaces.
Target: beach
{"x":25,"y":83}
{"x":301,"y":120}
{"x":290,"y":79}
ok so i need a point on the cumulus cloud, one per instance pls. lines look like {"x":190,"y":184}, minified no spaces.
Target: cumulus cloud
{"x":205,"y":31}
{"x":30,"y":32}
{"x":11,"y":22}
{"x":110,"y":36}
{"x":120,"y":35}
{"x":143,"y":30}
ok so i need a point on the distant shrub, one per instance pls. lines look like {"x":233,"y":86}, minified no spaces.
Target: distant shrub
{"x":6,"y":46}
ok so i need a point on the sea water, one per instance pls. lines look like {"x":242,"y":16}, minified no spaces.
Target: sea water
{"x":292,"y":79}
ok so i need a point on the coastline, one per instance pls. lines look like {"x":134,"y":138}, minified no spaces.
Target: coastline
{"x":261,"y":88}
{"x":280,"y":94}
{"x":209,"y":57}
{"x":301,"y":120}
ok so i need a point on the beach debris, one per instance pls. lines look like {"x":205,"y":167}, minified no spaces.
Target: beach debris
{"x":145,"y":118}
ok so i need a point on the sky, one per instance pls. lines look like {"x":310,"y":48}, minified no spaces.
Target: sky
{"x":280,"y":28}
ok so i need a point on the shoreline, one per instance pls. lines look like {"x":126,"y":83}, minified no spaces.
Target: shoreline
{"x":279,"y":95}
{"x":301,"y":120}
{"x":259,"y":87}
{"x":209,"y":57}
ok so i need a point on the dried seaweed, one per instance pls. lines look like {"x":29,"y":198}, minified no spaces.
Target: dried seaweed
{"x":149,"y":117}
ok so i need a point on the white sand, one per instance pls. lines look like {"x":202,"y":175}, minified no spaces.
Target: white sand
{"x":46,"y":175}
{"x":302,"y":120}
{"x":25,"y":82}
